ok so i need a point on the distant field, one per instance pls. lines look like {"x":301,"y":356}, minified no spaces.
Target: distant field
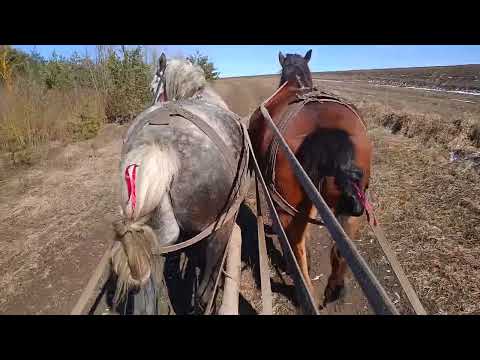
{"x":458,"y":77}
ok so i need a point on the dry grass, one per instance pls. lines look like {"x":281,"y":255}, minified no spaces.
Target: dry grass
{"x":460,"y":132}
{"x":31,"y":116}
{"x":474,"y":134}
{"x":431,"y":213}
{"x":428,"y":205}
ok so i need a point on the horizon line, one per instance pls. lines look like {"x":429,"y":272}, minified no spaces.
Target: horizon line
{"x":356,"y":69}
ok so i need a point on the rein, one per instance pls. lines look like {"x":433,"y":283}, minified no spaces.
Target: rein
{"x":157,"y":91}
{"x":155,"y":96}
{"x":362,"y":196}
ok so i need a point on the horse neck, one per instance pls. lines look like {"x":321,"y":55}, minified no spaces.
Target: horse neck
{"x":211,"y":96}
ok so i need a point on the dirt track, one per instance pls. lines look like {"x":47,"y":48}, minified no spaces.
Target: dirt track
{"x":55,"y":217}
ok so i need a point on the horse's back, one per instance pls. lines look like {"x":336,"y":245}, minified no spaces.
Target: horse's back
{"x":299,"y":115}
{"x":297,"y":118}
{"x":200,"y":191}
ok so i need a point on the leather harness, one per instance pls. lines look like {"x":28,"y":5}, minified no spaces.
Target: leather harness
{"x":294,"y":108}
{"x":161,"y":116}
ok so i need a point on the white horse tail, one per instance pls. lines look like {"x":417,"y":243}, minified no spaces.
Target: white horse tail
{"x":146,"y":175}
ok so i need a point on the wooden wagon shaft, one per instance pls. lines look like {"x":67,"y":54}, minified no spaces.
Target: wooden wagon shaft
{"x":231,"y":287}
{"x":94,"y":286}
{"x":376,"y":295}
{"x":397,"y":269}
{"x":267,"y":308}
{"x":304,"y":296}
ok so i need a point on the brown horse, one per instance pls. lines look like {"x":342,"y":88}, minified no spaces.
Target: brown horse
{"x":329,"y":138}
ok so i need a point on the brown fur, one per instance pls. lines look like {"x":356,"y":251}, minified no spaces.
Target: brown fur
{"x":313,"y":117}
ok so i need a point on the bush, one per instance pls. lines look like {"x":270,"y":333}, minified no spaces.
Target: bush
{"x":31,"y":116}
{"x":67,"y":99}
{"x":127,"y":91}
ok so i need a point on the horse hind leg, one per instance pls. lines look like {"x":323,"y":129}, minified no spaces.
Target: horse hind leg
{"x":212,"y":250}
{"x":296,"y":228}
{"x":164,"y":223}
{"x":335,"y":289}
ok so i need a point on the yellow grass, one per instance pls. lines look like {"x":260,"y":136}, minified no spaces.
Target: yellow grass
{"x":31,"y":116}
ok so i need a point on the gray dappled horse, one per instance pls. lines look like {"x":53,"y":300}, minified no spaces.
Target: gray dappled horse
{"x":175,"y":180}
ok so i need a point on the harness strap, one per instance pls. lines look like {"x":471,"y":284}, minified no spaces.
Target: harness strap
{"x":207,"y":130}
{"x":226,"y":152}
{"x":298,"y":104}
{"x":348,"y":106}
{"x":272,"y":160}
{"x":290,"y":210}
{"x":225,"y":217}
{"x":204,"y":234}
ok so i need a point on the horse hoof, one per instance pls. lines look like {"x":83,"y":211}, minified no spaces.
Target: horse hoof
{"x":334,"y":293}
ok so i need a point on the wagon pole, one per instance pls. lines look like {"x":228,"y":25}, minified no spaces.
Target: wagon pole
{"x":397,"y":269}
{"x":94,"y":286}
{"x":266,"y":287}
{"x":376,"y":295}
{"x":305,"y":297}
{"x":231,"y":288}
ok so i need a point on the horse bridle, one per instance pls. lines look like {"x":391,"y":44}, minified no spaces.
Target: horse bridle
{"x":157,"y":90}
{"x":301,"y":83}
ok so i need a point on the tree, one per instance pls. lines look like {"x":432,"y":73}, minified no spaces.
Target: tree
{"x":211,"y":72}
{"x":12,"y":62}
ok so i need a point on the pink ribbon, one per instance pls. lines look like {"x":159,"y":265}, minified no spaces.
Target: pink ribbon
{"x":367,"y":205}
{"x":131,"y":188}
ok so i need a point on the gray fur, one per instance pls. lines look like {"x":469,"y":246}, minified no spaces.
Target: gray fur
{"x":201,"y":186}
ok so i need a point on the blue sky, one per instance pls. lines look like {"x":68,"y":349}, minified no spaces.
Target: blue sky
{"x":243,"y":60}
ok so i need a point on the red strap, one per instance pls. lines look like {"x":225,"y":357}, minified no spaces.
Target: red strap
{"x":367,"y":205}
{"x":131,"y":188}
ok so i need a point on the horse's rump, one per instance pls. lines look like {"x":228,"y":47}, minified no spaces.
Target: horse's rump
{"x":310,"y":110}
{"x":206,"y":185}
{"x":298,"y":114}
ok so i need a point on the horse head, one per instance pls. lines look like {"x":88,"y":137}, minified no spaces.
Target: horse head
{"x":176,"y":79}
{"x":295,"y":69}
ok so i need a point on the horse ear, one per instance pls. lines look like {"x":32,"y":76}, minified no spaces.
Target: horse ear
{"x":281,"y":58}
{"x":308,"y":55}
{"x":162,"y":63}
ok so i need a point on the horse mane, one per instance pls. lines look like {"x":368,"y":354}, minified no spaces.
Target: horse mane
{"x":183,"y":79}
